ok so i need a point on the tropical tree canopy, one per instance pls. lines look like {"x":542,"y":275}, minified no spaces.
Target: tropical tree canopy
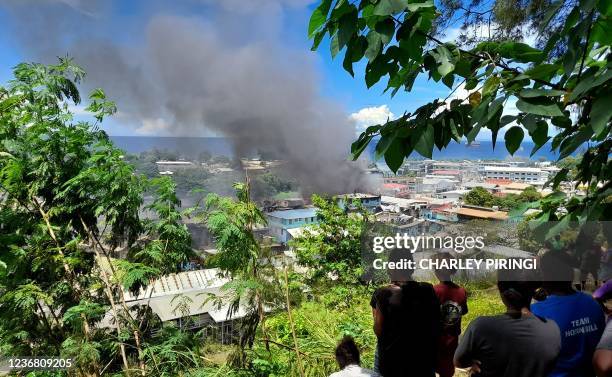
{"x":563,"y":84}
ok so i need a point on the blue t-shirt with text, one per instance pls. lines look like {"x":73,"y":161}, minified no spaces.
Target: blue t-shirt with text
{"x":581,"y":321}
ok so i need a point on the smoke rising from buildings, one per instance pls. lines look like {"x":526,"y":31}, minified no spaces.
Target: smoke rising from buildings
{"x":225,"y":71}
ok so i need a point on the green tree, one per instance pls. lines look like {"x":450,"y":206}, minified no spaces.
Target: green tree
{"x":69,"y":205}
{"x":568,"y":74}
{"x":530,"y":194}
{"x":255,"y":286}
{"x":478,"y":196}
{"x":331,"y":249}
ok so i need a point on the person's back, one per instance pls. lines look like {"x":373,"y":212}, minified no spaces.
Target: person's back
{"x":453,"y":305}
{"x":354,"y":370}
{"x":506,"y":346}
{"x":515,"y":344}
{"x":579,"y":317}
{"x":410,"y":327}
{"x":581,"y":322}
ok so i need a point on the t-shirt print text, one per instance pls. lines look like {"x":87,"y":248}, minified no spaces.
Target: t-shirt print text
{"x":581,"y":326}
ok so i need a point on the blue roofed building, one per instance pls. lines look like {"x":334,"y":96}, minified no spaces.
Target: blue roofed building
{"x":281,"y":222}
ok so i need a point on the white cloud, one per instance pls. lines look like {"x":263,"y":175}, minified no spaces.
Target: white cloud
{"x":370,"y":116}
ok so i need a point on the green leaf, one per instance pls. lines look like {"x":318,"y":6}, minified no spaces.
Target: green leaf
{"x":414,"y":7}
{"x":383,"y":144}
{"x":444,"y":58}
{"x":318,"y":17}
{"x":589,"y":82}
{"x":386,"y":29}
{"x":389,"y":7}
{"x":540,"y":134}
{"x":425,"y":142}
{"x":531,"y":93}
{"x":374,"y":45}
{"x":334,"y":46}
{"x":538,"y":106}
{"x":570,"y":144}
{"x":520,"y":52}
{"x":394,"y":155}
{"x":601,"y":113}
{"x":543,"y":71}
{"x":413,"y":47}
{"x":514,"y":138}
{"x":490,"y":85}
{"x":347,"y":27}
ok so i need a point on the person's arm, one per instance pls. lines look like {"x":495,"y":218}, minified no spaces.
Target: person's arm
{"x":464,"y":352}
{"x":378,"y":321}
{"x":602,"y":362}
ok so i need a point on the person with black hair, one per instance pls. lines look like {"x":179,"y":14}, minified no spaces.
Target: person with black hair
{"x":580,"y":318}
{"x":347,"y":356}
{"x":406,"y":323}
{"x":514,"y":344}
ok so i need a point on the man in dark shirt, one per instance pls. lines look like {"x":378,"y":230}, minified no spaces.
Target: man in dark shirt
{"x":514,"y":344}
{"x":407,"y":325}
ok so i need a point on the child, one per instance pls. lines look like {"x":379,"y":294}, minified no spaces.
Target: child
{"x":347,"y":356}
{"x":453,"y":305}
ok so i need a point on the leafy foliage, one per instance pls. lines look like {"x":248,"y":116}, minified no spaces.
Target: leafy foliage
{"x":479,"y":196}
{"x":69,"y":206}
{"x":564,"y":83}
{"x":331,"y":249}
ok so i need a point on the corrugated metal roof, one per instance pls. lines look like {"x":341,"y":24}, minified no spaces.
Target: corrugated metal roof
{"x":181,"y":283}
{"x":291,"y":214}
{"x":495,"y":215}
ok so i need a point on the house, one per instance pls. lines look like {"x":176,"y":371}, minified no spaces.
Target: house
{"x":368,"y":201}
{"x":172,"y":166}
{"x":454,"y":195}
{"x":182,"y":299}
{"x":395,"y":189}
{"x":409,"y":207}
{"x":281,"y":221}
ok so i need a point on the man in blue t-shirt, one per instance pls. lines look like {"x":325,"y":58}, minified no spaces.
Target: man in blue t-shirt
{"x":579,"y":317}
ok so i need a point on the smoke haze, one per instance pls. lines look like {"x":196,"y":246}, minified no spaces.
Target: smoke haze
{"x":225,"y":70}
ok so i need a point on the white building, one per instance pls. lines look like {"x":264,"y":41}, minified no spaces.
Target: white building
{"x":514,"y":173}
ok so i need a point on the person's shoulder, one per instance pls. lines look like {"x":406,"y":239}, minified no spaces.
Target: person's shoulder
{"x":586,"y":298}
{"x":485,"y":321}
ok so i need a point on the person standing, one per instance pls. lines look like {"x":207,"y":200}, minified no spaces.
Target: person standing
{"x":580,"y":318}
{"x":514,"y":344}
{"x":406,"y":318}
{"x":453,"y":305}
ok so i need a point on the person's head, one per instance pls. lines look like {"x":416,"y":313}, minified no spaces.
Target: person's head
{"x":400,"y":256}
{"x":347,"y":352}
{"x":515,"y":288}
{"x":557,"y":271}
{"x":444,"y":274}
{"x":603,"y":295}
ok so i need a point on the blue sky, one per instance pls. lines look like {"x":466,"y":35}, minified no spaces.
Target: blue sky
{"x":333,"y":82}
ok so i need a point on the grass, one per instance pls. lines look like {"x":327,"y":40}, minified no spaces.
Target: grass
{"x":321,"y":323}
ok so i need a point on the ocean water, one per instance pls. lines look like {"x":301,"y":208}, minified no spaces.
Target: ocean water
{"x":189,"y":147}
{"x":185,"y":146}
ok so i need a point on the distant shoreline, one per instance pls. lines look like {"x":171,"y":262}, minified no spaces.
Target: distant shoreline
{"x":191,"y":147}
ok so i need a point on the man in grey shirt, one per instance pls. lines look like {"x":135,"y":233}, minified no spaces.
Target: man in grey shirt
{"x":514,"y":344}
{"x":602,"y":360}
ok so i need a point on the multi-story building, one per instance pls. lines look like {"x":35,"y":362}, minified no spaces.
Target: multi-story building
{"x":517,"y":174}
{"x":279,"y":222}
